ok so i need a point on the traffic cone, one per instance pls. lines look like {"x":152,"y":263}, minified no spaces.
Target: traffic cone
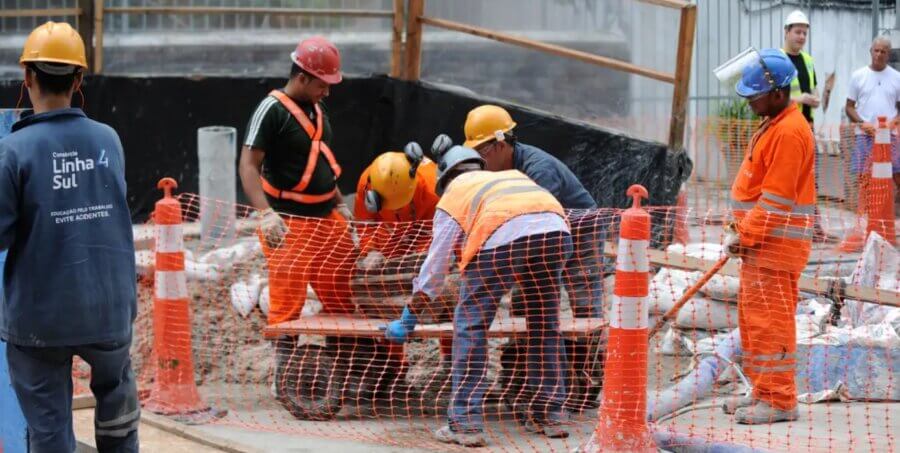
{"x":622,"y":422}
{"x":876,"y":194}
{"x":174,"y":391}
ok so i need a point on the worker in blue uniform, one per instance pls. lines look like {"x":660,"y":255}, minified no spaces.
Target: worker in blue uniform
{"x":69,"y":282}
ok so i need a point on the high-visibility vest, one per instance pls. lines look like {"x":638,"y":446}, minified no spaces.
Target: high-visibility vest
{"x":811,"y":71}
{"x":316,"y":147}
{"x":482,"y":201}
{"x":774,"y":196}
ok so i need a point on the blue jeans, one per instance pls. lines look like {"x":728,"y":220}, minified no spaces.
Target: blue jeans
{"x":42,"y":379}
{"x":860,"y":160}
{"x":535,"y":263}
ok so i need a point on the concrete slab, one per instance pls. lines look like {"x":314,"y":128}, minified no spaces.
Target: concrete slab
{"x":152,"y":439}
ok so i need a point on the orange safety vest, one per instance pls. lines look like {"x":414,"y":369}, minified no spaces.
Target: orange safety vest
{"x":482,"y":201}
{"x":316,"y":146}
{"x":774,"y":193}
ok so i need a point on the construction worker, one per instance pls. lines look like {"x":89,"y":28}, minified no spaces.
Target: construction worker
{"x":503,"y":229}
{"x":289,"y":173}
{"x":69,"y":282}
{"x":773,"y":199}
{"x":804,"y":87}
{"x":489,"y":130}
{"x":397,"y":191}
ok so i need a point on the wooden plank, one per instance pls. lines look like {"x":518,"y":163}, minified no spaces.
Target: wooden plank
{"x":364,"y":327}
{"x":686,"y":32}
{"x":546,"y":48}
{"x":397,"y":40}
{"x":413,"y":61}
{"x":247,"y":10}
{"x":675,"y":4}
{"x":98,"y":36}
{"x":807,"y":284}
{"x":46,"y":12}
{"x":85,"y":27}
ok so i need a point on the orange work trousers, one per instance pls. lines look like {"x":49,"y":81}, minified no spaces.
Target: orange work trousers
{"x":318,"y":252}
{"x":766,"y":306}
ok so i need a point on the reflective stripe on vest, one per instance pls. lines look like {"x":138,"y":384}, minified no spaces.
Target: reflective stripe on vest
{"x":316,"y":146}
{"x":811,"y":71}
{"x":481,"y":202}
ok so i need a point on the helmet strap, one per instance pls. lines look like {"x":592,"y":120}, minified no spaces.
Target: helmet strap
{"x":21,"y":95}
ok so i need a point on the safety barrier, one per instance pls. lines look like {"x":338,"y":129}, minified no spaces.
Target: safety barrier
{"x":338,"y":379}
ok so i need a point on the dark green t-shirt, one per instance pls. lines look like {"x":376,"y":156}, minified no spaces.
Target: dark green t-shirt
{"x":275,"y":131}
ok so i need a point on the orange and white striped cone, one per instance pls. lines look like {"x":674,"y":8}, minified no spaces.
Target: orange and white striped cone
{"x":174,"y":391}
{"x":622,"y":421}
{"x":880,"y":203}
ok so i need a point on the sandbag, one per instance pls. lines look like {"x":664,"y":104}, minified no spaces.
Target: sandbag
{"x":708,"y":314}
{"x":667,"y":286}
{"x":722,"y":287}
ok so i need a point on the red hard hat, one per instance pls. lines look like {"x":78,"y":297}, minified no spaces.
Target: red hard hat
{"x":319,"y":57}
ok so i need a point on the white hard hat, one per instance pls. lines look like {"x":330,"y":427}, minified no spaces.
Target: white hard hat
{"x":796,"y":17}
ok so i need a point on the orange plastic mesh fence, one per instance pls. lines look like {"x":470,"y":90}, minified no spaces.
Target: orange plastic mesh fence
{"x":325,"y":369}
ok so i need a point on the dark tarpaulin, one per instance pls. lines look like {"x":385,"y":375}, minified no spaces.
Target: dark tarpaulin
{"x":158,"y":117}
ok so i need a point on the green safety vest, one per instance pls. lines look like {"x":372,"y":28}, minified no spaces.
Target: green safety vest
{"x":811,"y":70}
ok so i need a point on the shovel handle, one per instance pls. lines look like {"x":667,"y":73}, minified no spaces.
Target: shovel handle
{"x":688,"y":295}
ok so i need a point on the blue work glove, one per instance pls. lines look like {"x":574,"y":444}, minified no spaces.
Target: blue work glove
{"x":398,"y":330}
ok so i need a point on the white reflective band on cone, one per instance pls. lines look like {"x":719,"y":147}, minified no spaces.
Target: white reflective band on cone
{"x":883,"y":137}
{"x":629,"y":312}
{"x":171,"y":285}
{"x":882,"y":170}
{"x":632,"y":256}
{"x":169,"y":239}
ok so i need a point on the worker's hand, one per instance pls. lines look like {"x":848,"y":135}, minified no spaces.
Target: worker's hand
{"x":868,"y":128}
{"x":344,"y":211}
{"x":273,"y":228}
{"x":398,"y":330}
{"x":809,"y":99}
{"x":732,"y":242}
{"x":373,"y":260}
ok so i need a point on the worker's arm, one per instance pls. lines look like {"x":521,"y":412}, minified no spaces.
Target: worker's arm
{"x":784,"y":163}
{"x":250,"y":170}
{"x":9,"y":196}
{"x":850,"y":108}
{"x":431,"y":276}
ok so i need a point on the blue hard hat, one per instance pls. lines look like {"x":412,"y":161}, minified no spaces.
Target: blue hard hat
{"x":773,"y":70}
{"x":452,"y":158}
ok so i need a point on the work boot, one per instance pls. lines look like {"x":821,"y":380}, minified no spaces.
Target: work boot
{"x":761,"y":413}
{"x":469,"y":439}
{"x":733,"y":403}
{"x":553,"y":430}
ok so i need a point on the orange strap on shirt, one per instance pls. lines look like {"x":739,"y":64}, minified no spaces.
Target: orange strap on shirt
{"x":316,"y":146}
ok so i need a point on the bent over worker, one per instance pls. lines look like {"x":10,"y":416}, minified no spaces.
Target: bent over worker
{"x":69,"y":283}
{"x":287,"y":166}
{"x":489,"y":130}
{"x":773,"y":198}
{"x":504,"y":229}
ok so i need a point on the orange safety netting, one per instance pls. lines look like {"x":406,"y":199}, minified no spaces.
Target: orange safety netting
{"x":326,"y":371}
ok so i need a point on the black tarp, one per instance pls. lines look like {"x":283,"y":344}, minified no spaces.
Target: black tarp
{"x":158,"y":117}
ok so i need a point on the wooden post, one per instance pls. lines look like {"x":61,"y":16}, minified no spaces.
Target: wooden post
{"x":413,"y":61}
{"x":686,"y":31}
{"x":98,"y":36}
{"x":86,"y":30}
{"x":397,"y":39}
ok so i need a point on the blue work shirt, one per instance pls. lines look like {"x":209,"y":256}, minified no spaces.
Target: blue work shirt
{"x":69,"y":278}
{"x":553,"y":175}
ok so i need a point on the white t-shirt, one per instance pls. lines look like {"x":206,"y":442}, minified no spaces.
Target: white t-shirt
{"x":876,"y":93}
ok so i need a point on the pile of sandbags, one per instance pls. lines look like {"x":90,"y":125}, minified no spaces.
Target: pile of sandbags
{"x":712,"y":310}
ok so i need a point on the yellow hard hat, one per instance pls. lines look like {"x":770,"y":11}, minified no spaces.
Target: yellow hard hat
{"x":390,"y":178}
{"x":54,"y":42}
{"x":486,"y":122}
